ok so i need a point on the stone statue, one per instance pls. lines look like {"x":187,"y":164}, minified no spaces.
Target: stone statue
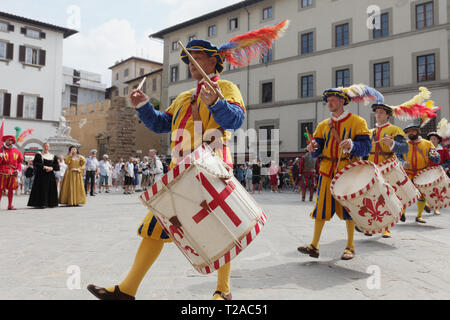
{"x":63,"y":130}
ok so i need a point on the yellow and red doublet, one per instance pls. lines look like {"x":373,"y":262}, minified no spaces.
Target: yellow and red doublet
{"x":348,"y":126}
{"x":381,"y":152}
{"x":418,"y":156}
{"x":178,"y":119}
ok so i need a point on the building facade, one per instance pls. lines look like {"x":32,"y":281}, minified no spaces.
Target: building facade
{"x":31,"y":72}
{"x":146,"y":139}
{"x":81,"y":88}
{"x":131,"y":68}
{"x":395,"y":46}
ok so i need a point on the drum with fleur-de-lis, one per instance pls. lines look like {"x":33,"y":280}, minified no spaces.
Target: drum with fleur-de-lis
{"x":434,"y":185}
{"x":395,"y":175}
{"x":369,"y":199}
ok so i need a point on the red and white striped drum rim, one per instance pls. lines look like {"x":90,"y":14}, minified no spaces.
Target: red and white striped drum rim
{"x":361,"y":191}
{"x":235,"y":251}
{"x":391,"y":163}
{"x":439,"y":168}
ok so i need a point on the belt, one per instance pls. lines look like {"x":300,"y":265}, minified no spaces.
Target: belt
{"x":336,"y":159}
{"x":383,"y":153}
{"x":414,"y":170}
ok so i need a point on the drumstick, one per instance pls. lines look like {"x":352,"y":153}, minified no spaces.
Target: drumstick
{"x":203,"y":73}
{"x":140,"y":85}
{"x":383,"y":138}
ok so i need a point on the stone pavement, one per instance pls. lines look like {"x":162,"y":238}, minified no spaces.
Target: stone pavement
{"x":43,"y":252}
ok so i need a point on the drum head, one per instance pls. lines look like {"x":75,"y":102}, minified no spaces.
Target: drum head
{"x":428,"y":176}
{"x":354,"y":180}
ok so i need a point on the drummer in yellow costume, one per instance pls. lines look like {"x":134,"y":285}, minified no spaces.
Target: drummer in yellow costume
{"x":193,"y":117}
{"x":420,"y":152}
{"x":338,"y":141}
{"x":387,"y":140}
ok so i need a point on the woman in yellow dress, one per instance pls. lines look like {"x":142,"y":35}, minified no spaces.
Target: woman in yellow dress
{"x":72,"y":189}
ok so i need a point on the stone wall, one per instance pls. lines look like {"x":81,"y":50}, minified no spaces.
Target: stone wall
{"x":112,"y":127}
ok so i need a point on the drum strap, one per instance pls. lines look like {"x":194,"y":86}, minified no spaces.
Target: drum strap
{"x":334,"y":131}
{"x":336,"y":159}
{"x":383,"y":153}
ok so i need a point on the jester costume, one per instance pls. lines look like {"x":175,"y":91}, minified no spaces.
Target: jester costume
{"x":10,"y":164}
{"x":419,"y":157}
{"x":328,"y":136}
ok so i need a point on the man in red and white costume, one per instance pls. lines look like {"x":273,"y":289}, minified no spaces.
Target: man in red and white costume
{"x":10,"y":166}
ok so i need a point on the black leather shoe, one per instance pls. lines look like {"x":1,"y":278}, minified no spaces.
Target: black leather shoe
{"x":103,"y":294}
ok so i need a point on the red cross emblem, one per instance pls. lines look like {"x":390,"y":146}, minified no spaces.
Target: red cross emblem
{"x":218,"y":201}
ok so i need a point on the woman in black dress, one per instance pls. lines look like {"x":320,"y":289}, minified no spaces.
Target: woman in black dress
{"x":45,"y":191}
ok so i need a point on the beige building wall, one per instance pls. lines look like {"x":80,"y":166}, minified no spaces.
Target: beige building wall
{"x":288,"y":109}
{"x":145,"y":138}
{"x":86,"y":122}
{"x":134,"y":66}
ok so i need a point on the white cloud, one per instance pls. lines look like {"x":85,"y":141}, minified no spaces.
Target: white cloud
{"x":99,"y":48}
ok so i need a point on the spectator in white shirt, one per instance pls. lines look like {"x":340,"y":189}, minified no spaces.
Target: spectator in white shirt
{"x":156,"y":167}
{"x":91,"y":172}
{"x":105,"y":169}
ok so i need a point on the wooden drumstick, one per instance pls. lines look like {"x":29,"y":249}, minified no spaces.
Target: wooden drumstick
{"x":382,"y":139}
{"x":202,"y":72}
{"x":140,"y":86}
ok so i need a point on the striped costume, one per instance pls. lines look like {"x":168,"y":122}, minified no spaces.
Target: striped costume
{"x":419,"y":156}
{"x":380,"y":152}
{"x":348,"y":126}
{"x":178,"y":119}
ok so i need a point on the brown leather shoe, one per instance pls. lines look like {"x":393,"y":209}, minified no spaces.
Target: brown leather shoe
{"x":223,"y":295}
{"x":403,"y":218}
{"x":427,"y":209}
{"x":103,"y":294}
{"x":312,"y":252}
{"x":348,"y":254}
{"x":420,"y":220}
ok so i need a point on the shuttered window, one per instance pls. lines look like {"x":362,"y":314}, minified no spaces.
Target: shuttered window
{"x":32,"y":56}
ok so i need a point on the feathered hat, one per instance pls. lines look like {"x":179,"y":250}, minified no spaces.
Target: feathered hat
{"x":415,"y":125}
{"x":443,"y":129}
{"x":417,"y":108}
{"x":355,"y":93}
{"x":240,"y":50}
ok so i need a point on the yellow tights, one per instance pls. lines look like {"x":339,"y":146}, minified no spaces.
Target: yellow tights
{"x":318,"y":227}
{"x":147,"y":254}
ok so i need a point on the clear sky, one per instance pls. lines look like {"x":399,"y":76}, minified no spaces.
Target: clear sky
{"x":110,"y":30}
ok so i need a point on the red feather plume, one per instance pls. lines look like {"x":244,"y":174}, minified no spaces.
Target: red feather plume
{"x":24,"y":134}
{"x":243,"y":48}
{"x":414,"y":112}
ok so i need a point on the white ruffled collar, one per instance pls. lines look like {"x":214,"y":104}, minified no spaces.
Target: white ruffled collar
{"x":47,"y":156}
{"x":383,"y":125}
{"x":342,"y":116}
